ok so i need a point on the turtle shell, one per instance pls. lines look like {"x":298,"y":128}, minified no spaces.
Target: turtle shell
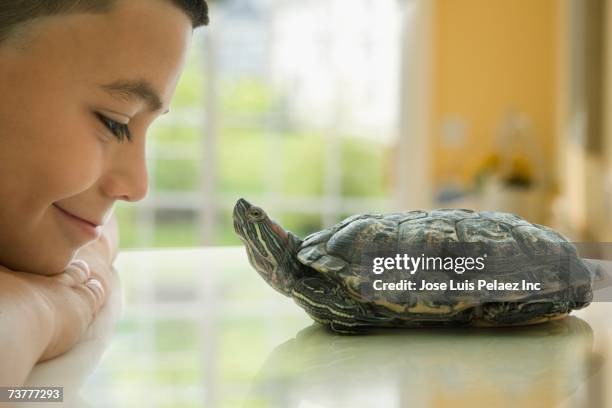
{"x":515,"y":247}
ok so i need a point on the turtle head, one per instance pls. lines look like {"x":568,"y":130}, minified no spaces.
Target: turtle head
{"x":271,"y":249}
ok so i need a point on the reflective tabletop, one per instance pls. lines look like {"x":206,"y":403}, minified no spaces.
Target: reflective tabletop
{"x":199,"y":327}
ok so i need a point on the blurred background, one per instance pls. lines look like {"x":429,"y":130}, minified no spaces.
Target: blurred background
{"x":319,"y":109}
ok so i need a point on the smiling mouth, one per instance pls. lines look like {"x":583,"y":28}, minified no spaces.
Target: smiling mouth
{"x":76,"y":217}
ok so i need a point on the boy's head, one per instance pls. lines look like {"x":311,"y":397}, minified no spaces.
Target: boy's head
{"x":81,"y":81}
{"x":15,"y":13}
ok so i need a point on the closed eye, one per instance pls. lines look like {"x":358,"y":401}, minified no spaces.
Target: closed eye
{"x":120,"y":131}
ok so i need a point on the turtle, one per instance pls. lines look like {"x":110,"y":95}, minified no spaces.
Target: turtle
{"x":327,"y":275}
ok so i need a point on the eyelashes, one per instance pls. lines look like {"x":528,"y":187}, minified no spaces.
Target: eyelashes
{"x":119,"y":130}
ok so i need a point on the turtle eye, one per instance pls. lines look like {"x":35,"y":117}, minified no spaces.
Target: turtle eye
{"x":256,"y":214}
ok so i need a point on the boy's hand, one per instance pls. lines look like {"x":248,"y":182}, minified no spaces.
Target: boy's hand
{"x":81,"y":290}
{"x":76,"y":295}
{"x":68,"y":302}
{"x":43,"y":316}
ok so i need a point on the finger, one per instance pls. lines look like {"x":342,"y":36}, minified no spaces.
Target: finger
{"x":82,"y":268}
{"x":81,"y":264}
{"x":98,"y":290}
{"x":102,"y":274}
{"x":88,"y":299}
{"x":78,"y":270}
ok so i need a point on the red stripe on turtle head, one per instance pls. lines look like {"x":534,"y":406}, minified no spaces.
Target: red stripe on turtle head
{"x":278,"y":230}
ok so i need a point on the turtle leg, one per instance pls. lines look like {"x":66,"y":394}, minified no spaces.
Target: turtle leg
{"x":328,"y":304}
{"x":516,"y":313}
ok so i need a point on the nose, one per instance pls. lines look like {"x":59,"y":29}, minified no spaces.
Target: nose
{"x":241,"y":207}
{"x":243,"y":203}
{"x":126,"y":178}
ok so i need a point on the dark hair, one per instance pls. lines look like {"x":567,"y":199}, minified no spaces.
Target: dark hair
{"x":197,"y":10}
{"x":16,"y":12}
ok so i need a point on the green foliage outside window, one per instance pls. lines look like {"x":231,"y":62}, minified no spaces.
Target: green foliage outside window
{"x":250,"y":147}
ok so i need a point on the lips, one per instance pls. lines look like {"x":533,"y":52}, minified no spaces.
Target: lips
{"x":92,"y":223}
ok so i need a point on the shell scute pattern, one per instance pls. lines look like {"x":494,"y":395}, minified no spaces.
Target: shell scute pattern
{"x":311,"y":253}
{"x":454,"y":214}
{"x":495,"y":237}
{"x":347,"y":243}
{"x":324,"y":235}
{"x":406,"y":216}
{"x":329,"y":263}
{"x":313,"y":247}
{"x":558,"y":237}
{"x":507,"y":218}
{"x":501,"y":234}
{"x":426,"y":234}
{"x":514,"y":247}
{"x":317,"y":237}
{"x":507,"y":237}
{"x":539,"y":242}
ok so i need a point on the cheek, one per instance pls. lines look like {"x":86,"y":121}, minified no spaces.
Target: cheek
{"x":50,"y":161}
{"x":72,"y":171}
{"x":48,"y":137}
{"x":68,"y":155}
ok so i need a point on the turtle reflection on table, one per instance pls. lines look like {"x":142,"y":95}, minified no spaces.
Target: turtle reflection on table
{"x":529,"y":366}
{"x":326,"y":274}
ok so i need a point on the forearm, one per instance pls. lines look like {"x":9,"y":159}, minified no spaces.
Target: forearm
{"x":41,"y":318}
{"x":26,"y":328}
{"x":31,"y":328}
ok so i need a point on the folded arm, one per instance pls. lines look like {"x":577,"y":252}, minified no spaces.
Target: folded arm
{"x":42,"y":317}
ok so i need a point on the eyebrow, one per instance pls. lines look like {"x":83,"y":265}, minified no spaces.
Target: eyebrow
{"x":139,"y":88}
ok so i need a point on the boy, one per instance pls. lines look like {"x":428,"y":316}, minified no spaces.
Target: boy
{"x":80,"y":83}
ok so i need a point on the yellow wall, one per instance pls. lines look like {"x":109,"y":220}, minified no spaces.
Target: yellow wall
{"x":490,"y":56}
{"x":583,"y":205}
{"x":607,"y":222}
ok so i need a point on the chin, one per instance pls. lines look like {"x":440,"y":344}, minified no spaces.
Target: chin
{"x":52,"y":264}
{"x":39,"y":249}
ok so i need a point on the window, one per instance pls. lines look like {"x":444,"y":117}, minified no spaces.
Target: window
{"x":292,"y":105}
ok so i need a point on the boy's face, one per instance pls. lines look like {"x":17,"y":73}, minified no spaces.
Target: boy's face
{"x":57,"y":155}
